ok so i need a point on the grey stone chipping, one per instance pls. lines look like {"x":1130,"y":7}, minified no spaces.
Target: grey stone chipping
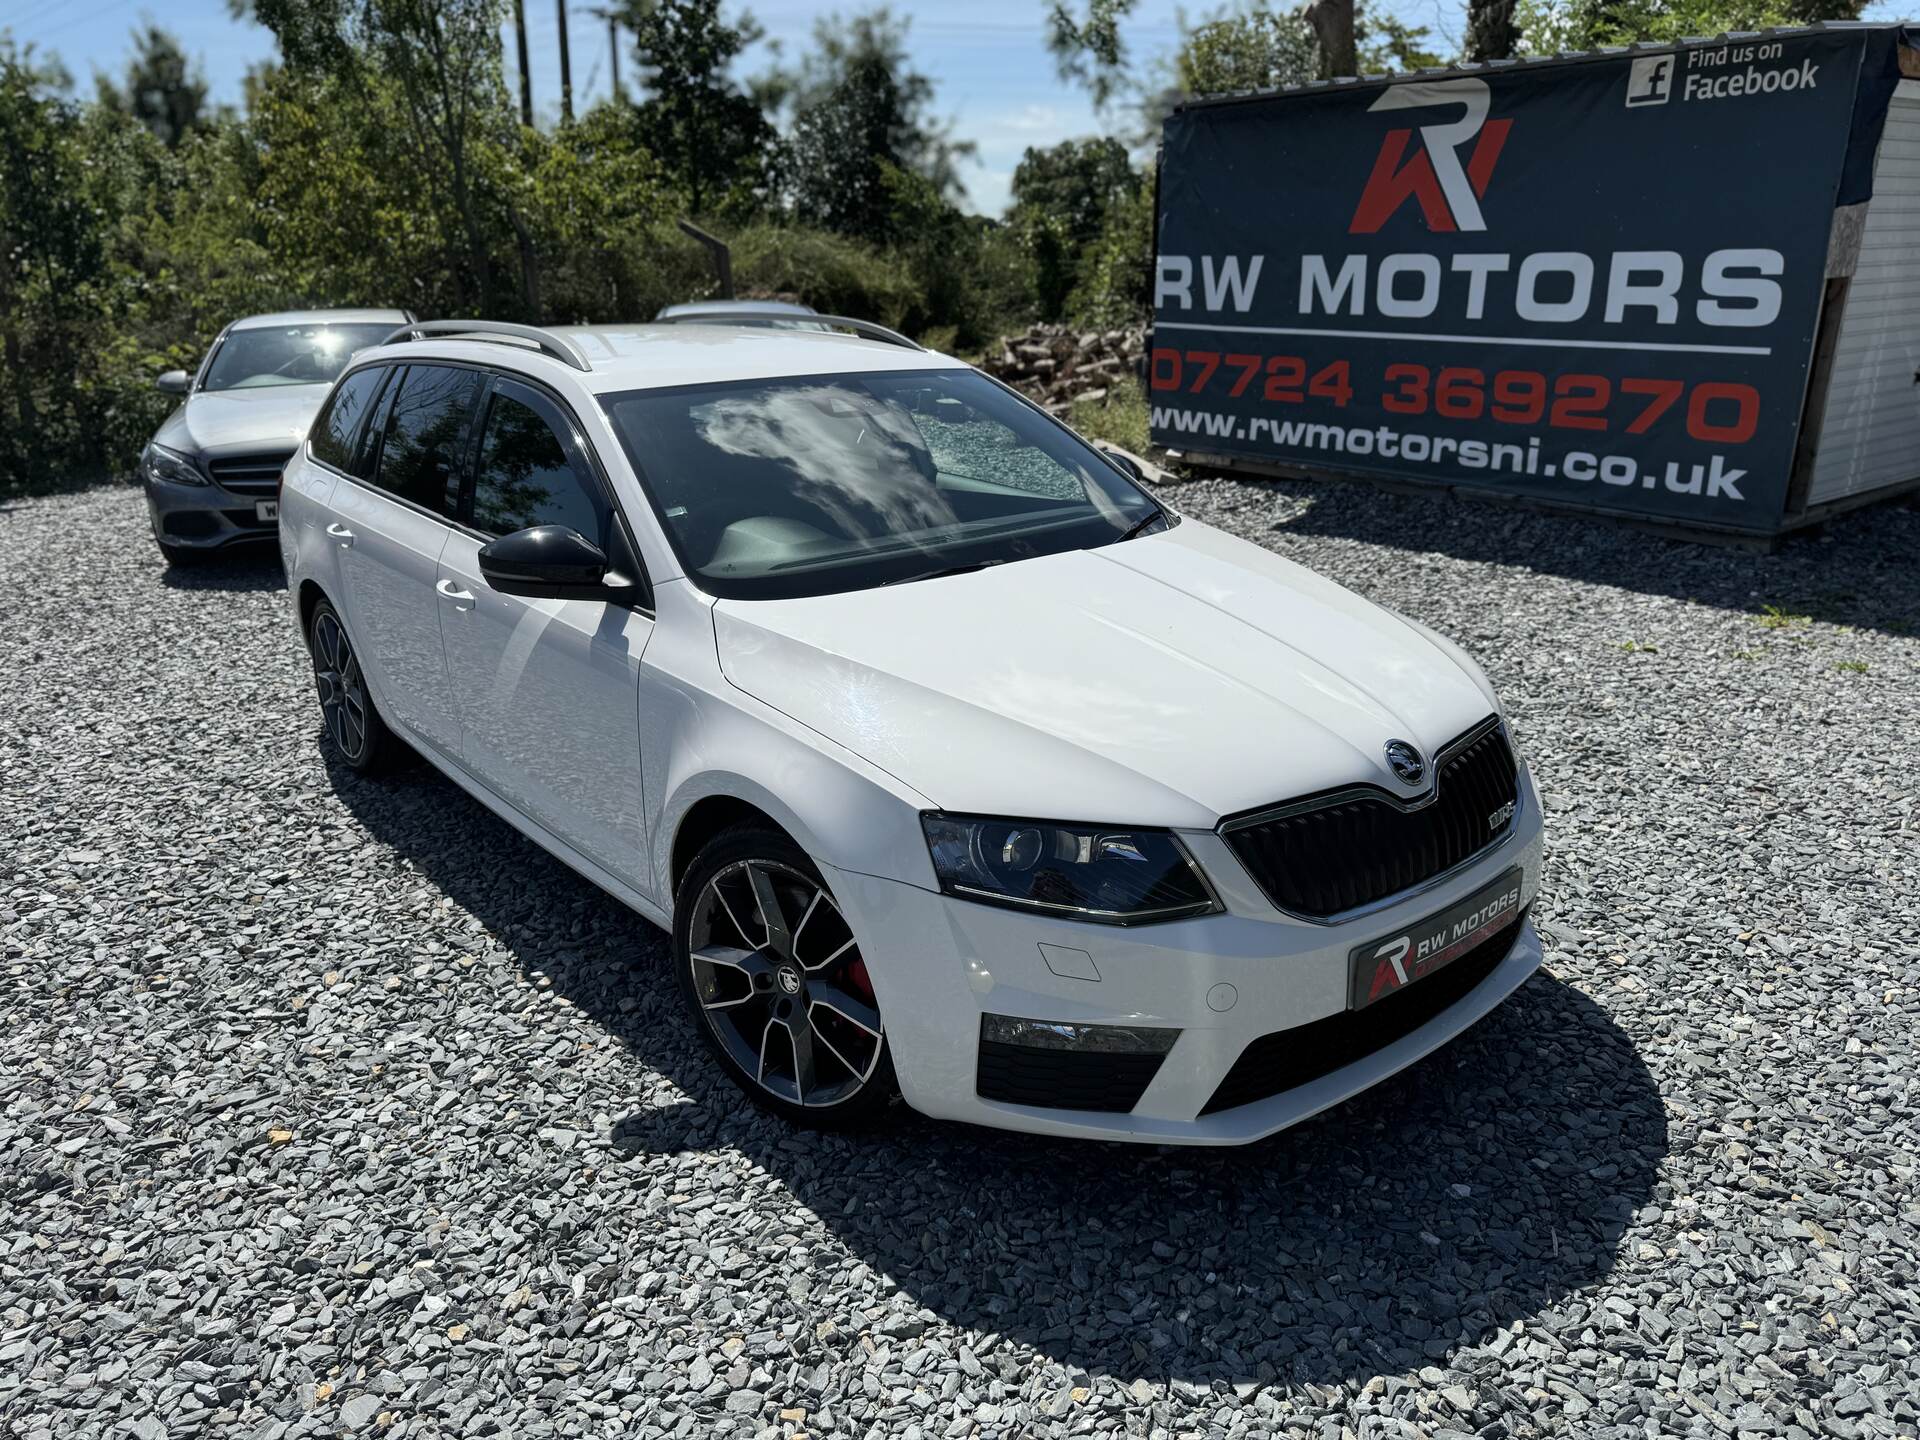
{"x":330,"y":1106}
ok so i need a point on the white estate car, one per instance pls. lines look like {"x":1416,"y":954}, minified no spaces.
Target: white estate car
{"x":958,"y":767}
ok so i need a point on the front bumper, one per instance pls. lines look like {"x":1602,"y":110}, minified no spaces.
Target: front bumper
{"x":1223,"y":981}
{"x":205,"y":517}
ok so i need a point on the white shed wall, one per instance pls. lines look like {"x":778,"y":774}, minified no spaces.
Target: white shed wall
{"x":1870,"y":438}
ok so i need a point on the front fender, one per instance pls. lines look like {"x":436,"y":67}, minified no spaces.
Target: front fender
{"x":711,"y":739}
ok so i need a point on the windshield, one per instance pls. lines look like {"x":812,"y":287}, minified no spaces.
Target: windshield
{"x":290,"y":354}
{"x":812,"y":486}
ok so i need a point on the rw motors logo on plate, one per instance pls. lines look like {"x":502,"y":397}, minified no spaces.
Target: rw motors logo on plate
{"x":1381,"y":967}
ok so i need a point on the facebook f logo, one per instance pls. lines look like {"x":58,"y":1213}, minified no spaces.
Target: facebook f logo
{"x":1651,"y":81}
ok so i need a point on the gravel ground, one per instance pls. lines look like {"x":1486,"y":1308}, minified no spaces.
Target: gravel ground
{"x":334,"y":1106}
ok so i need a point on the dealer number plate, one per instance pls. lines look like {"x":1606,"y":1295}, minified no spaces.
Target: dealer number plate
{"x":1381,"y":967}
{"x":266,"y":509}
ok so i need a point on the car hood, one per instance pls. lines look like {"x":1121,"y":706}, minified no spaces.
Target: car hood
{"x":1169,"y":680}
{"x":271,"y":417}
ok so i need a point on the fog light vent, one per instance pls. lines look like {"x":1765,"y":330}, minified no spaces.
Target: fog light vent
{"x":1068,"y":1066}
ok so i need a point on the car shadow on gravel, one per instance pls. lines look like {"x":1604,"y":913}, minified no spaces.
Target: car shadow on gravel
{"x":1488,"y":1184}
{"x":1856,"y":570}
{"x":256,"y":567}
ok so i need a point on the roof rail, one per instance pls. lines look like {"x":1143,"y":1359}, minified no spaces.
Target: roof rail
{"x":545,"y":341}
{"x":787,"y":319}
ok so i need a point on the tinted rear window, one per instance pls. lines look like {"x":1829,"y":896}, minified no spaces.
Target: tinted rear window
{"x":427,"y":434}
{"x":339,"y":423}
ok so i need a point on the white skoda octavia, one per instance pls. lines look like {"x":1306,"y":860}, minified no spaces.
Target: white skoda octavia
{"x":960,"y":769}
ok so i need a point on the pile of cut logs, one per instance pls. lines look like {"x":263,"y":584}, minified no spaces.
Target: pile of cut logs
{"x":1057,"y":365}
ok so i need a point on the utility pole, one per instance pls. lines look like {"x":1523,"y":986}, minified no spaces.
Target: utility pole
{"x":613,"y":49}
{"x":526,"y":82}
{"x":566,"y":68}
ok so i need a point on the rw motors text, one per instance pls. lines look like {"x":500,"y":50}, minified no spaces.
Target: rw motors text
{"x":1731,"y":288}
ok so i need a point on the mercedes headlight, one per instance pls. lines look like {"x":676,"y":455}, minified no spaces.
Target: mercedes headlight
{"x":1104,"y":873}
{"x":159,"y":463}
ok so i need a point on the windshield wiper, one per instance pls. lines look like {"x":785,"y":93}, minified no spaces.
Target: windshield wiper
{"x":944,"y":571}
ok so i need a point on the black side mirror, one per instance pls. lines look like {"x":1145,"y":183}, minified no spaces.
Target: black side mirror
{"x":174,"y":382}
{"x":1124,"y":462}
{"x":552,"y":562}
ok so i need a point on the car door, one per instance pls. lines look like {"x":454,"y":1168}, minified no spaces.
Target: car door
{"x":547,"y":690}
{"x":340,"y":434}
{"x":392,"y":529}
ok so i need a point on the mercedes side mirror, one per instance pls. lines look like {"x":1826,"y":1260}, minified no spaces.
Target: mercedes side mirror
{"x":174,"y":382}
{"x":553,"y":562}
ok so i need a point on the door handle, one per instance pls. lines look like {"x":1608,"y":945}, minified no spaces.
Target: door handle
{"x":447,"y":590}
{"x":341,"y":533}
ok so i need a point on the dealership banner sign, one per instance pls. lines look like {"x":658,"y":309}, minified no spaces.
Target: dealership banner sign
{"x":1595,"y":282}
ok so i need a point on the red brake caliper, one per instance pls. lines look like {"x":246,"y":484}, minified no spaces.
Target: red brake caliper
{"x":858,"y":981}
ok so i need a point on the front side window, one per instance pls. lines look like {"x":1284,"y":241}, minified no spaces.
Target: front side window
{"x":827,"y":483}
{"x":289,"y":354}
{"x":338,"y":425}
{"x":426,"y":435}
{"x":525,"y":476}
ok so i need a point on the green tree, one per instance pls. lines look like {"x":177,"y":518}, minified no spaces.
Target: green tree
{"x":1078,"y":180}
{"x":344,"y":217}
{"x":430,"y":73}
{"x":1388,"y":45}
{"x":1088,"y":47}
{"x":163,"y":91}
{"x":1061,"y":200}
{"x":590,"y":190}
{"x":1253,"y":50}
{"x":712,"y":138}
{"x":1550,"y":26}
{"x":860,"y":112}
{"x":1116,"y":272}
{"x":49,"y":286}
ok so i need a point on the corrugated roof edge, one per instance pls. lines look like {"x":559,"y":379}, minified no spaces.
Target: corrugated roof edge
{"x":1531,"y":62}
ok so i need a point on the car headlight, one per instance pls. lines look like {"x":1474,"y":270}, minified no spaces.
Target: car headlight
{"x":159,"y":463}
{"x":1104,"y":873}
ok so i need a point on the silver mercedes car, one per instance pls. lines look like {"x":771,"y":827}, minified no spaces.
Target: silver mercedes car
{"x":212,"y":469}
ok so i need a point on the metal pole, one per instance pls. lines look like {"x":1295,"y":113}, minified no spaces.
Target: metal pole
{"x":721,"y":252}
{"x":526,"y":81}
{"x":566,"y":67}
{"x":613,"y":49}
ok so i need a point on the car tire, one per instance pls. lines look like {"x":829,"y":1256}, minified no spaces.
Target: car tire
{"x":352,"y":722}
{"x":787,"y":1008}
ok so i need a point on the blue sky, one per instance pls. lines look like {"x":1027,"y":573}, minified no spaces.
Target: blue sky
{"x":987,"y":57}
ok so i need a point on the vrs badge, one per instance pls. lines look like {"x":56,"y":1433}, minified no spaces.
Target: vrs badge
{"x":1384,"y":966}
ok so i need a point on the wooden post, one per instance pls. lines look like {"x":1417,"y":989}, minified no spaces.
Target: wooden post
{"x":613,"y":50}
{"x":566,"y":68}
{"x":526,"y":81}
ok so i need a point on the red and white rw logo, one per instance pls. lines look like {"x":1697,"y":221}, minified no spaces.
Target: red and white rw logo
{"x":1447,"y":191}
